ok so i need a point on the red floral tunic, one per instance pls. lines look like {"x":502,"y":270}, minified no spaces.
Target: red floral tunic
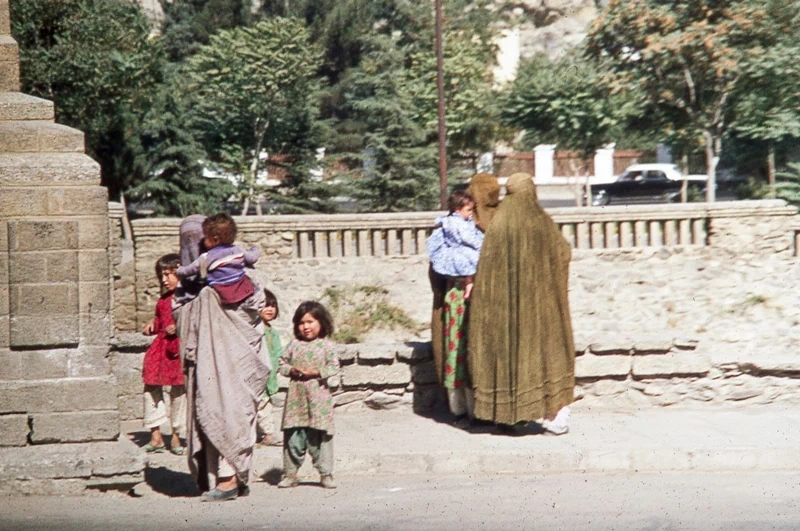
{"x":162,"y":364}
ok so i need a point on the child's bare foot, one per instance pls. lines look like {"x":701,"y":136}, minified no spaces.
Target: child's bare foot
{"x":156,"y":443}
{"x":175,"y":444}
{"x":271,"y":440}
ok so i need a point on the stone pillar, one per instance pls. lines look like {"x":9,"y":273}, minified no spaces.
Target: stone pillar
{"x":56,"y":385}
{"x":604,"y":163}
{"x":543,"y":162}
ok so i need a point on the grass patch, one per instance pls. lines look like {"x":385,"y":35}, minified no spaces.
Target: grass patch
{"x":358,"y":310}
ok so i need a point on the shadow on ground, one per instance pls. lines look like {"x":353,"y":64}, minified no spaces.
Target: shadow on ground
{"x":171,"y":483}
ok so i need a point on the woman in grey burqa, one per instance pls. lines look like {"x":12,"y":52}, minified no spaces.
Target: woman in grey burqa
{"x":226,"y":365}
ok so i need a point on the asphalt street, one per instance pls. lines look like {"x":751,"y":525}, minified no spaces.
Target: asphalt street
{"x":654,"y":501}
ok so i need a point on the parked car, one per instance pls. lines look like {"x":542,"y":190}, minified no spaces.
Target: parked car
{"x":646,"y":183}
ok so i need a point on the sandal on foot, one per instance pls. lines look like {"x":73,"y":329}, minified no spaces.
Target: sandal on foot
{"x":326,"y":482}
{"x":177,"y":450}
{"x":150,"y":449}
{"x":288,"y":482}
{"x":216,"y":495}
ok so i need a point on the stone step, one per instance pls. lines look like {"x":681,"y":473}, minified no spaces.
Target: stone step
{"x":48,"y":169}
{"x":9,"y":64}
{"x":39,"y":137}
{"x":69,"y":469}
{"x":16,"y":106}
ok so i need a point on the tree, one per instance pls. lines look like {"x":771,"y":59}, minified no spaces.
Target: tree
{"x":768,"y":110}
{"x":569,"y":103}
{"x":250,"y":89}
{"x":393,"y":161}
{"x":688,"y":56}
{"x":386,"y":107}
{"x":171,"y":162}
{"x":189,"y":24}
{"x":96,"y":61}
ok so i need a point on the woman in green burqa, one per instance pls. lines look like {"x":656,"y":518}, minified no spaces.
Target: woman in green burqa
{"x":521,"y":351}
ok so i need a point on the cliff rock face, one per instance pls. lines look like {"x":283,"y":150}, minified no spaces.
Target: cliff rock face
{"x":549,"y":26}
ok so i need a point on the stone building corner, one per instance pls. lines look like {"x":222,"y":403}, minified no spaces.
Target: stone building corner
{"x":59,"y":413}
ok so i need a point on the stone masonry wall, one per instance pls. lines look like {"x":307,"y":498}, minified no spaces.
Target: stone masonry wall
{"x":59,"y":417}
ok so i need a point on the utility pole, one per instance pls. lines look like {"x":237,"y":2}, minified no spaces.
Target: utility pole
{"x":440,"y":91}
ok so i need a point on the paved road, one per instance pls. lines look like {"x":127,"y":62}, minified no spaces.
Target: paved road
{"x":664,"y":502}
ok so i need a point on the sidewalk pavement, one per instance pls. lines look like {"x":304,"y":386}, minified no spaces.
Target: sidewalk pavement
{"x":603,"y":441}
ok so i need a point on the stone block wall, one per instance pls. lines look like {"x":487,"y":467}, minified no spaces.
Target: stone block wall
{"x":653,"y":371}
{"x":56,"y":387}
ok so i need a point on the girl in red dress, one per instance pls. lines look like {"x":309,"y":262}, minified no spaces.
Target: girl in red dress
{"x":162,"y":365}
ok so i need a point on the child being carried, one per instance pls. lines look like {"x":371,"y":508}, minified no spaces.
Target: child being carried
{"x":222,"y":266}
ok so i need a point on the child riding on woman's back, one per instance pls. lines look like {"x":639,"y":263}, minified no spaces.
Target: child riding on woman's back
{"x":223,"y":264}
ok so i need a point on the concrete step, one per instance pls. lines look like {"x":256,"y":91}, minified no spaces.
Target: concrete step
{"x":48,"y":169}
{"x":39,"y":137}
{"x":16,"y":106}
{"x":69,"y":469}
{"x":9,"y":64}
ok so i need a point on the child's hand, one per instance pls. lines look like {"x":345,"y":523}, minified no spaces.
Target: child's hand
{"x":150,"y":328}
{"x":171,"y":330}
{"x":468,"y":291}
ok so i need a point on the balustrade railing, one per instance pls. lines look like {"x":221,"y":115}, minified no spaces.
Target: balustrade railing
{"x":403,"y":234}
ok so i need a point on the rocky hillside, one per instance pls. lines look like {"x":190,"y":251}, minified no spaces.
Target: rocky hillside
{"x":548,"y":26}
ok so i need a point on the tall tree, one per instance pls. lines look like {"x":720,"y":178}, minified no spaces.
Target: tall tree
{"x":170,"y":162}
{"x":95,"y":59}
{"x":250,"y":89}
{"x":570,"y":103}
{"x":768,"y":109}
{"x":688,"y":56}
{"x":189,"y":24}
{"x":393,"y":162}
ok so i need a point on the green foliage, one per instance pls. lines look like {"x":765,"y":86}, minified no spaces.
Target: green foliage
{"x":170,"y":162}
{"x":386,"y":106}
{"x":189,"y":24}
{"x":362,"y":309}
{"x":570,"y":103}
{"x":689,"y":58}
{"x":95,"y":60}
{"x":788,"y":186}
{"x":253,"y":90}
{"x":394,"y":163}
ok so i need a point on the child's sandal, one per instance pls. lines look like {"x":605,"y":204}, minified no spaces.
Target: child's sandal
{"x":150,"y":449}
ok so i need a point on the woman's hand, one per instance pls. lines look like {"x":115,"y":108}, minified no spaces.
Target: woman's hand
{"x":468,"y":291}
{"x":171,"y":330}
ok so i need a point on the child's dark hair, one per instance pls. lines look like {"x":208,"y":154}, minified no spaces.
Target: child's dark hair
{"x":271,"y":300}
{"x":320,"y":314}
{"x":220,"y":227}
{"x":168,"y":262}
{"x":458,"y":200}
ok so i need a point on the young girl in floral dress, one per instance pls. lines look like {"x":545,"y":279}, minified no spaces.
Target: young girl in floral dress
{"x":313,"y":369}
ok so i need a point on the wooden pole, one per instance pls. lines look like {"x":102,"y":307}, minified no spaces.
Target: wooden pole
{"x":440,"y":91}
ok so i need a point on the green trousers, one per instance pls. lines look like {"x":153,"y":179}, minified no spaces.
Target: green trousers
{"x":298,"y":441}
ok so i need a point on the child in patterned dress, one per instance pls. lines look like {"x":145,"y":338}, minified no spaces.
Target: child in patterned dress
{"x":264,"y":421}
{"x":312,"y":366}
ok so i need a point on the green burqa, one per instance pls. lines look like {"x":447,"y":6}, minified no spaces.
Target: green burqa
{"x":521,"y":350}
